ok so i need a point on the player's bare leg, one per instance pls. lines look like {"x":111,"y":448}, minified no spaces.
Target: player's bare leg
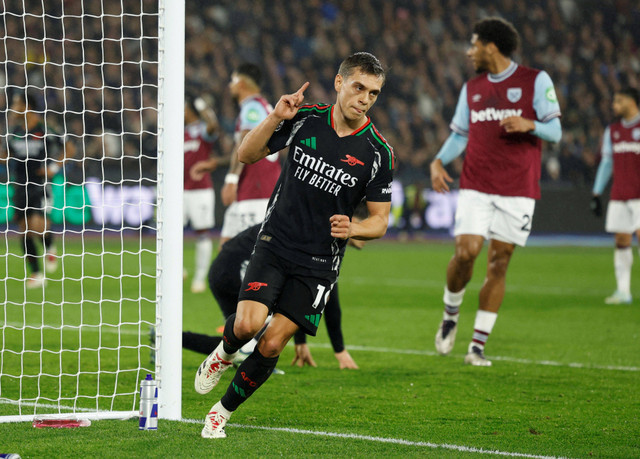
{"x":491,"y":296}
{"x":240,"y":328}
{"x":622,"y":262}
{"x":251,"y":374}
{"x":459,"y":272}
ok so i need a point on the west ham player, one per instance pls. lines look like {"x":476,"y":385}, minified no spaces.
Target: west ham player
{"x":336,"y":158}
{"x":501,"y":118}
{"x":225,"y":280}
{"x":621,"y":157}
{"x":34,"y":154}
{"x":200,"y":125}
{"x":247,"y":187}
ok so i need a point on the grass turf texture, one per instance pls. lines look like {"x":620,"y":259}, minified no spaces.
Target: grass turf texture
{"x":552,"y":389}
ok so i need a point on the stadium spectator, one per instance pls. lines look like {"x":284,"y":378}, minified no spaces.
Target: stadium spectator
{"x":621,"y":158}
{"x":338,"y":158}
{"x":501,"y":118}
{"x":200,"y":126}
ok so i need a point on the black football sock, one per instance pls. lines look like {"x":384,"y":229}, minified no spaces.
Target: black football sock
{"x":230,"y":342}
{"x":253,"y":372}
{"x":205,"y":344}
{"x":29,"y":247}
{"x":48,"y":240}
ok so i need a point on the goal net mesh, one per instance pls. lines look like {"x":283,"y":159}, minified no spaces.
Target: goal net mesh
{"x":77,"y":301}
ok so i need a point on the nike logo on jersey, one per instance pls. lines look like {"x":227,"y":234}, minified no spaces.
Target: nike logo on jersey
{"x":352,"y":161}
{"x":255,"y":286}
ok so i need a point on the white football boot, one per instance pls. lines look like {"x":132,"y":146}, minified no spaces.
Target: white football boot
{"x":211,"y":370}
{"x":476,"y":357}
{"x":215,"y":421}
{"x":446,"y":336}
{"x":618,"y":298}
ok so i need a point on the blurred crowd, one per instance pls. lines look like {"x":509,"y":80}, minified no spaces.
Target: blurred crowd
{"x":589,"y":47}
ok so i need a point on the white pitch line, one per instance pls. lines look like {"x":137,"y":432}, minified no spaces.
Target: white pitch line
{"x":430,"y":283}
{"x":385,"y":350}
{"x":397,"y":441}
{"x":349,"y":436}
{"x":551,"y":363}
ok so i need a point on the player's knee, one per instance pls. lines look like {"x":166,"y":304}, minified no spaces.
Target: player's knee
{"x":465,"y":254}
{"x":245,"y":327}
{"x":498,"y":267}
{"x":270,"y":346}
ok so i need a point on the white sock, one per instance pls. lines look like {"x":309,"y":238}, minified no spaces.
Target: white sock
{"x":222,"y":354}
{"x":482,"y":327}
{"x":452,"y":302}
{"x":622,"y":261}
{"x":250,"y":346}
{"x":222,"y":410}
{"x":204,"y":249}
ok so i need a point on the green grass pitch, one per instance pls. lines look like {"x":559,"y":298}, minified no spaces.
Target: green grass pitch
{"x":565,"y":380}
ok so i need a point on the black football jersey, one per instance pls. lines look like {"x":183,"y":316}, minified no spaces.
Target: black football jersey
{"x":323,"y":175}
{"x":28,"y":153}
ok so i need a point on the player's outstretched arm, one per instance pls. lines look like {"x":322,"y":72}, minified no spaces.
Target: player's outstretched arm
{"x":254,"y":145}
{"x":372,"y":227}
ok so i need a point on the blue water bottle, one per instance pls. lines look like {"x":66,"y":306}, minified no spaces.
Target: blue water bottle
{"x":148,"y":404}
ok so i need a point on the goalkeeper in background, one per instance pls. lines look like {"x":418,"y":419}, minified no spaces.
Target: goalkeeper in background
{"x":34,"y":155}
{"x":621,"y":158}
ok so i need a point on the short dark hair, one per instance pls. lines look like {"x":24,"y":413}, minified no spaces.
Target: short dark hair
{"x":631,"y":92}
{"x":252,"y":71}
{"x":499,"y":32}
{"x":366,"y":62}
{"x":189,"y":99}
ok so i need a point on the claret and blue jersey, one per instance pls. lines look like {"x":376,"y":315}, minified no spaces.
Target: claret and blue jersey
{"x":324,"y":175}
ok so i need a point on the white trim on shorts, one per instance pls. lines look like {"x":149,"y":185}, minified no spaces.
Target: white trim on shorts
{"x":623,"y":216}
{"x":241,"y":215}
{"x":199,"y":208}
{"x":505,"y":218}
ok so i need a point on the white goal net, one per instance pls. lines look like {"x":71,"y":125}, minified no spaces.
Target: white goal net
{"x":85,"y":121}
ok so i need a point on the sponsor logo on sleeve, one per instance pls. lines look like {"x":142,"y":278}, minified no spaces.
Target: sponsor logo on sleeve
{"x":253,"y":115}
{"x":550,"y":94}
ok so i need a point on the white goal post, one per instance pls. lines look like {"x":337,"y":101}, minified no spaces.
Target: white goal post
{"x":91,"y":172}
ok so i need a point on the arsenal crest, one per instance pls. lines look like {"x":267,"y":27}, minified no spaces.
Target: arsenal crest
{"x":514,"y":94}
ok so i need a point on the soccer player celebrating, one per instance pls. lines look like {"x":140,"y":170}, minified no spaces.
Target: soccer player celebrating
{"x":621,"y":157}
{"x":34,"y":156}
{"x":199,"y":197}
{"x":247,"y":187}
{"x":336,"y":158}
{"x":501,"y":117}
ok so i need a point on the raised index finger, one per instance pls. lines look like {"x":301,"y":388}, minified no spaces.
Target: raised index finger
{"x":302,"y":89}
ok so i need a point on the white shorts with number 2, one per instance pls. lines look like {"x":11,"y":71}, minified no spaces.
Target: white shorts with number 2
{"x":505,"y":218}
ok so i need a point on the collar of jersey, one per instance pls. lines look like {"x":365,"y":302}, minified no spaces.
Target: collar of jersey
{"x":506,"y":73}
{"x":358,"y":131}
{"x":631,"y":122}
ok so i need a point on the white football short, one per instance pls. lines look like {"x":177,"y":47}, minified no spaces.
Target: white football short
{"x":505,"y":218}
{"x":243,"y":214}
{"x":198,"y":208}
{"x":623,"y":216}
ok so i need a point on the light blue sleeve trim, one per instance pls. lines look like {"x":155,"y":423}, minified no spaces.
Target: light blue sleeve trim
{"x":551,"y":130}
{"x":460,"y":121}
{"x":545,"y":101}
{"x":452,"y":148}
{"x":605,"y":169}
